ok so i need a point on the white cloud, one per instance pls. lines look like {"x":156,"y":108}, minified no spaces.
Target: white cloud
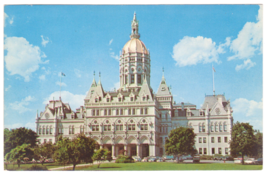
{"x":246,"y":65}
{"x":246,"y":107}
{"x":22,"y":58}
{"x":31,"y":126}
{"x":45,"y":40}
{"x":28,"y":125}
{"x":110,"y":42}
{"x":11,"y":20}
{"x":75,"y":100}
{"x":249,"y":39}
{"x":112,"y":54}
{"x":191,"y":51}
{"x":8,"y":19}
{"x":7,"y":88}
{"x":77,"y":73}
{"x":62,"y":83}
{"x":21,"y":106}
{"x":47,"y":72}
{"x":42,"y":77}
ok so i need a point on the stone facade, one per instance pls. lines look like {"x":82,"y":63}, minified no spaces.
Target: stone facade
{"x":133,"y":120}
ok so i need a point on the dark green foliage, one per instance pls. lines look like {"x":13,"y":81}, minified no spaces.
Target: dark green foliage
{"x":44,"y":151}
{"x":259,"y":144}
{"x":101,"y":155}
{"x":206,"y":157}
{"x":243,"y":140}
{"x":124,"y":159}
{"x":37,"y":167}
{"x":181,"y":141}
{"x":74,"y":151}
{"x":19,"y":153}
{"x":17,"y":137}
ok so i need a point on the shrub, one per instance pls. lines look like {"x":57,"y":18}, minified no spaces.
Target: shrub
{"x":205,"y":157}
{"x":37,"y":167}
{"x":124,"y":159}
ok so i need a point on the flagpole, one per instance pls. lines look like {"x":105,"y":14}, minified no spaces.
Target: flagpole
{"x":213,"y":80}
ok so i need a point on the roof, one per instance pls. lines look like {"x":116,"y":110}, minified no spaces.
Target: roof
{"x":212,"y":99}
{"x":134,"y":45}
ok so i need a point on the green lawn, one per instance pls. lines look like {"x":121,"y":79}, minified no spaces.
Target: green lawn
{"x":170,"y":166}
{"x":26,"y":166}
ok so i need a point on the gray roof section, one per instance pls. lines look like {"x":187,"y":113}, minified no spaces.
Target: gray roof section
{"x":212,"y":99}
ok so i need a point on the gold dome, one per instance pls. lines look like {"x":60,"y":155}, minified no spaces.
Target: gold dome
{"x":134,"y":45}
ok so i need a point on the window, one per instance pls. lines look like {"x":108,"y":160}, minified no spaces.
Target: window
{"x":212,"y":139}
{"x":144,"y":127}
{"x":107,"y":126}
{"x":119,"y":126}
{"x":131,"y":127}
{"x":95,"y":127}
{"x":132,"y":79}
{"x":226,"y":150}
{"x":47,"y":130}
{"x":107,"y":99}
{"x":141,"y":111}
{"x":219,"y":150}
{"x":139,"y":79}
{"x":132,"y":98}
{"x":40,"y":130}
{"x":50,"y":140}
{"x":60,"y":130}
{"x":109,"y":112}
{"x":93,"y":112}
{"x":225,"y":139}
{"x":204,"y":140}
{"x":97,"y":112}
{"x":96,"y":100}
{"x":200,"y":128}
{"x":216,"y":128}
{"x":82,"y":129}
{"x":144,"y":98}
{"x":200,"y":150}
{"x":129,"y":111}
{"x":219,"y":139}
{"x":43,"y":130}
{"x":117,"y":112}
{"x":203,"y":128}
{"x":72,"y":129}
{"x":212,"y":128}
{"x":105,"y":112}
{"x":145,"y":110}
{"x":220,"y":127}
{"x":44,"y":140}
{"x":225,"y":127}
{"x":126,"y":79}
{"x":119,"y":99}
{"x":205,"y":150}
{"x":212,"y":150}
{"x":200,"y":140}
{"x":133,"y":111}
{"x":51,"y":130}
{"x":121,"y":112}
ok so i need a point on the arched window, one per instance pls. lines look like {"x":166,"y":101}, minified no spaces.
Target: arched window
{"x":82,"y":129}
{"x":131,"y":125}
{"x":203,"y":127}
{"x":47,"y":130}
{"x":70,"y":128}
{"x":225,"y":127}
{"x":212,"y":128}
{"x":216,"y":127}
{"x":144,"y":125}
{"x":95,"y":126}
{"x":200,"y":127}
{"x":40,"y":130}
{"x":43,"y":129}
{"x":220,"y":127}
{"x":119,"y":126}
{"x":107,"y":126}
{"x":51,"y":130}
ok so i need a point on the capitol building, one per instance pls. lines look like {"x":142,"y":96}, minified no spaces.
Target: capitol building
{"x":133,"y":120}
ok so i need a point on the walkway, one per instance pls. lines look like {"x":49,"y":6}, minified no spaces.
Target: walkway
{"x":79,"y":165}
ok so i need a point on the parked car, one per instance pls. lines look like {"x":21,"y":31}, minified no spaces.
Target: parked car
{"x":160,"y":159}
{"x":258,"y":161}
{"x":196,"y":159}
{"x":152,"y":159}
{"x":249,"y":161}
{"x":237,"y":160}
{"x":145,"y":159}
{"x":168,"y":157}
{"x":136,"y":159}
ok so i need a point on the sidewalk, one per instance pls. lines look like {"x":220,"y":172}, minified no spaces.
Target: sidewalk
{"x":79,"y":165}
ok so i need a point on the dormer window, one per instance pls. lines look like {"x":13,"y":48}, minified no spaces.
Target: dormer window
{"x":96,"y":100}
{"x":119,"y":99}
{"x":144,"y":98}
{"x":132,"y":98}
{"x":107,"y":99}
{"x":163,"y":88}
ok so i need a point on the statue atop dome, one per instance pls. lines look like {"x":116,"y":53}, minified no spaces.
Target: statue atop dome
{"x":135,"y":33}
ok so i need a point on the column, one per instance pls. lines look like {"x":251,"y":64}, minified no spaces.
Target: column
{"x":152,"y":150}
{"x":113,"y":151}
{"x":117,"y":150}
{"x":138,"y":150}
{"x":125,"y":150}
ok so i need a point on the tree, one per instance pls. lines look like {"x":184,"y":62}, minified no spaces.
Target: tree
{"x":17,"y":137}
{"x":258,"y":139}
{"x":180,"y":141}
{"x":19,"y":153}
{"x":60,"y":154}
{"x":79,"y":149}
{"x":100,"y":155}
{"x":243,"y":140}
{"x":44,"y":151}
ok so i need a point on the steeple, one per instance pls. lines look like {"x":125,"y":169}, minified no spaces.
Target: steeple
{"x":163,"y":88}
{"x":163,"y":78}
{"x":99,"y":81}
{"x":93,"y":83}
{"x":135,"y":25}
{"x":37,"y":115}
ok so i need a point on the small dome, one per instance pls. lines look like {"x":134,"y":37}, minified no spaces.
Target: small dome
{"x":135,"y":45}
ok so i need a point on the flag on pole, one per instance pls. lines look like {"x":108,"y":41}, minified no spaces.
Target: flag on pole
{"x":213,"y":69}
{"x":63,"y":74}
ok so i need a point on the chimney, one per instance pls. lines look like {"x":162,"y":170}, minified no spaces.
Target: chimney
{"x":182,"y":106}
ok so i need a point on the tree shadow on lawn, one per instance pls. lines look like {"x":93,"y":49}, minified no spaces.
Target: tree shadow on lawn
{"x":108,"y":167}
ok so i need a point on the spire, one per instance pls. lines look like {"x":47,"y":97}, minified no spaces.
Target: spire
{"x":135,"y":25}
{"x":93,"y":83}
{"x":163,"y":78}
{"x":99,"y":82}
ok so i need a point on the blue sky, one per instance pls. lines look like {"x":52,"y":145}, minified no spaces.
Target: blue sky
{"x":40,"y":41}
